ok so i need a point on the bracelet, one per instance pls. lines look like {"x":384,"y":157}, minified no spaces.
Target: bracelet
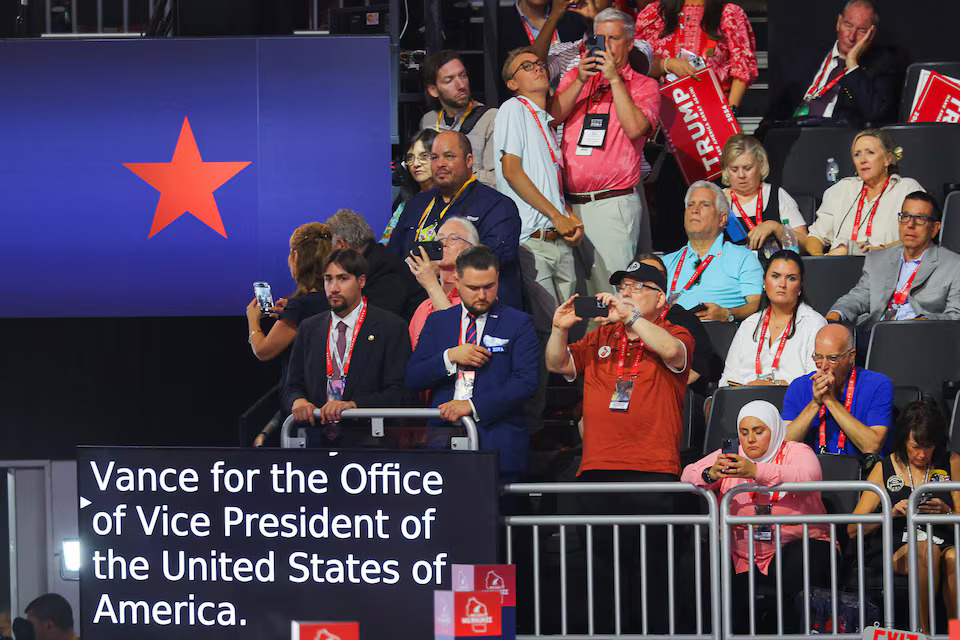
{"x":250,"y":337}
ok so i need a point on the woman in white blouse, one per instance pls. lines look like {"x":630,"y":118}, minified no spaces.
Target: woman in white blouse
{"x":757,"y":209}
{"x":859,"y":214}
{"x":775,"y":345}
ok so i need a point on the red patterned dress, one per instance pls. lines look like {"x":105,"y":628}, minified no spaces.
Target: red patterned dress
{"x":735,"y":55}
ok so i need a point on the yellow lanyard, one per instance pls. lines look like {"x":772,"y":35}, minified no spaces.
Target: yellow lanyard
{"x":429,"y":208}
{"x":455,"y":126}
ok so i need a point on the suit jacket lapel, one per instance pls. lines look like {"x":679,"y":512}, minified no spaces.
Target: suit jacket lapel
{"x":927,"y":266}
{"x":890,"y":278}
{"x":493,"y":320}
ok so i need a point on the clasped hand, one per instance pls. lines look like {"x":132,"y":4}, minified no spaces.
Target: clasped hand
{"x":732,"y":465}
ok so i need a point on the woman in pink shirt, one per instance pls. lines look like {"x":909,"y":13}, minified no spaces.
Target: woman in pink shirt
{"x":764,"y":458}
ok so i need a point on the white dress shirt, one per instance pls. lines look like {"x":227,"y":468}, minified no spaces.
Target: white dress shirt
{"x":795,"y":361}
{"x":907,"y":269}
{"x":815,"y":86}
{"x":351,"y":321}
{"x":453,"y":369}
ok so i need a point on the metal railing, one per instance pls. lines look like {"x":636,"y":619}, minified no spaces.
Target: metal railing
{"x":291,"y":440}
{"x":709,"y":521}
{"x":729,"y":521}
{"x":927,"y":520}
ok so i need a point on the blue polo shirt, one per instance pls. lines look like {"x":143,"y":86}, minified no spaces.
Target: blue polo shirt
{"x":872,"y":405}
{"x":732,"y":275}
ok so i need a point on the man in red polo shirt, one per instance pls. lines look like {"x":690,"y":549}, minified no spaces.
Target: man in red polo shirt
{"x":634,"y":378}
{"x":607,"y":110}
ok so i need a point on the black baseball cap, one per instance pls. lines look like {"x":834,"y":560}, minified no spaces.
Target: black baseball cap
{"x":641,"y":273}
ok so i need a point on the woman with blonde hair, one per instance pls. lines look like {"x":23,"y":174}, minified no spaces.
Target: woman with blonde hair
{"x":860,"y":214}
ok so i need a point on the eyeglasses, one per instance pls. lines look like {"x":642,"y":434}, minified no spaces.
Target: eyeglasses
{"x":530,"y":66}
{"x":424,"y":158}
{"x":635,"y":287}
{"x":834,"y":359}
{"x":451,"y":239}
{"x":920,"y":221}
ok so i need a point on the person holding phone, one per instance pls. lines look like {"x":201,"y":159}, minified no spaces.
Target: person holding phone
{"x":608,"y":111}
{"x":775,"y":345}
{"x":765,"y":458}
{"x":921,"y":454}
{"x":310,"y":244}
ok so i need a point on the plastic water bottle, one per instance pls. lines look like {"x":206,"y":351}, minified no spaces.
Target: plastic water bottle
{"x":833,"y":170}
{"x":789,"y":238}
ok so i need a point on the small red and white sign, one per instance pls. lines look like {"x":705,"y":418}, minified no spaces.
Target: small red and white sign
{"x":697,"y":122}
{"x":937,"y":98}
{"x":879,"y":633}
{"x":324,"y":630}
{"x":501,"y":578}
{"x":466,"y":614}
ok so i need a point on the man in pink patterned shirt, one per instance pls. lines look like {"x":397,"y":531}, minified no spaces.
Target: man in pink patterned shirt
{"x":608,"y":111}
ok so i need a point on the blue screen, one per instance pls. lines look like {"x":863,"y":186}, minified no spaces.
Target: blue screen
{"x":107,"y":141}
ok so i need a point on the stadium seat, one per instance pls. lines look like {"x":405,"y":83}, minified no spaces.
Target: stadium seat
{"x":923,"y":353}
{"x":950,"y":222}
{"x":798,"y":157}
{"x":951,"y":69}
{"x":826,"y":278}
{"x":721,"y":335}
{"x":839,"y":468}
{"x":808,"y":206}
{"x":931,"y":154}
{"x":727,"y":402}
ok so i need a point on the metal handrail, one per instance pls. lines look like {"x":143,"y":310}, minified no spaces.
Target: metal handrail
{"x":913,"y":520}
{"x":709,"y":521}
{"x":727,"y":522}
{"x":376,"y":416}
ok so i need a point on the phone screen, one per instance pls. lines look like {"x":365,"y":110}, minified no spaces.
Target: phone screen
{"x":588,"y":307}
{"x":264,"y":296}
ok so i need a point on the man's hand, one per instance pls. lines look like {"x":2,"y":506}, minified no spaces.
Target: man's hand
{"x":713,"y":313}
{"x":586,"y":8}
{"x":469,"y":355}
{"x":576,"y":237}
{"x":680,"y":67}
{"x":565,"y":317}
{"x":567,"y":225}
{"x":455,"y":409}
{"x":330,"y":412}
{"x":618,"y":309}
{"x":822,"y":387}
{"x":303,"y":410}
{"x":608,"y":66}
{"x":740,"y":467}
{"x":424,"y":270}
{"x":839,"y":250}
{"x":759,"y":233}
{"x":853,"y":58}
{"x":833,"y":316}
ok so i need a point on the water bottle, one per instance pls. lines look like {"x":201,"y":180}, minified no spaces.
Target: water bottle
{"x":789,"y":238}
{"x":833,"y":170}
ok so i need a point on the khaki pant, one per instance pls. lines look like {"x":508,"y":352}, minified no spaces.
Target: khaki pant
{"x":612,"y":231}
{"x":548,"y":277}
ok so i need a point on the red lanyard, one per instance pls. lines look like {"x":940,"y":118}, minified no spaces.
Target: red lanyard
{"x":763,"y":334}
{"x":812,"y":93}
{"x":900,"y":297}
{"x":696,"y":274}
{"x":847,"y":404}
{"x":873,"y":211}
{"x":750,"y":224}
{"x":597,"y":93}
{"x":623,"y":350}
{"x":775,"y":496}
{"x":345,"y":365}
{"x":546,"y":139}
{"x":531,"y":37}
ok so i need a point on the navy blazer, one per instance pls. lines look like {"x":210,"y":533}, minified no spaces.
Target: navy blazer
{"x":497,"y":221}
{"x":501,"y":387}
{"x":375,"y":376}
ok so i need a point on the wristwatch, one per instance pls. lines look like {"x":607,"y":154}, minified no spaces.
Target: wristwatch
{"x":706,"y":476}
{"x":636,"y":316}
{"x":730,"y":317}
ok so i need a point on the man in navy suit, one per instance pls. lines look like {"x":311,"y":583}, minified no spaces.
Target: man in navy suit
{"x":457,"y":192}
{"x":351,"y":356}
{"x":480,"y":359}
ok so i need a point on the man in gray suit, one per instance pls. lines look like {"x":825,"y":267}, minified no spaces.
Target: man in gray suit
{"x":920,"y":280}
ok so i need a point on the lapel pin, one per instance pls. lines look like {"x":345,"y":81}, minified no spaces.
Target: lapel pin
{"x":370,"y":337}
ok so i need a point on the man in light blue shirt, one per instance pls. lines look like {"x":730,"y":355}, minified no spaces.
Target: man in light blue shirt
{"x":718,"y":280}
{"x":917,"y":280}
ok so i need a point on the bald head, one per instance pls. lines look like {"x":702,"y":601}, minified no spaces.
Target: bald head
{"x":835,"y":338}
{"x":456,"y":138}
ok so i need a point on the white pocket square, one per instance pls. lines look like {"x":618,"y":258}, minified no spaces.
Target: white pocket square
{"x":491,"y":341}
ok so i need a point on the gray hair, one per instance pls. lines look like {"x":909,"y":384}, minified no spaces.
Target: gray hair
{"x":720,"y":200}
{"x":350,"y":226}
{"x":867,"y":4}
{"x":473,"y":237}
{"x":615,"y":15}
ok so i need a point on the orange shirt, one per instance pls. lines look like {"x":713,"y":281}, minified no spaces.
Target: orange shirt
{"x":646,"y":437}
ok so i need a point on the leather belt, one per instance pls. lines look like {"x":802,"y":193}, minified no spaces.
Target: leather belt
{"x":575,"y":198}
{"x":550,"y":235}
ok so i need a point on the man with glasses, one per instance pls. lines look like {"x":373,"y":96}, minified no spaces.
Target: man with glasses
{"x":918,"y":280}
{"x":634,"y":370}
{"x":718,"y":280}
{"x":529,"y":172}
{"x":458,"y":193}
{"x":839,"y":408}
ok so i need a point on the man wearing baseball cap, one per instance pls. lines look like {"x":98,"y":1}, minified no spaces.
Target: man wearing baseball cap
{"x":634,"y":370}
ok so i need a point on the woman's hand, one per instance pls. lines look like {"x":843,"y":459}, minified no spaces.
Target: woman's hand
{"x":839,"y":250}
{"x":764,"y":383}
{"x":679,"y":67}
{"x":718,"y":470}
{"x":739,"y":467}
{"x":934,"y":505}
{"x":759,"y":233}
{"x":278,"y":306}
{"x":900,"y":509}
{"x":426,"y":272}
{"x":253,"y":314}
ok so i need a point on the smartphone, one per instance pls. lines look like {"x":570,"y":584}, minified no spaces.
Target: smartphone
{"x":262,"y":291}
{"x":596,"y":43}
{"x":433,"y":248}
{"x":589,"y":307}
{"x":730,"y":446}
{"x":924,"y":498}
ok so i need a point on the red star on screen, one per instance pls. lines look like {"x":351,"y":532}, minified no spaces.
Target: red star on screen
{"x":186,"y":183}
